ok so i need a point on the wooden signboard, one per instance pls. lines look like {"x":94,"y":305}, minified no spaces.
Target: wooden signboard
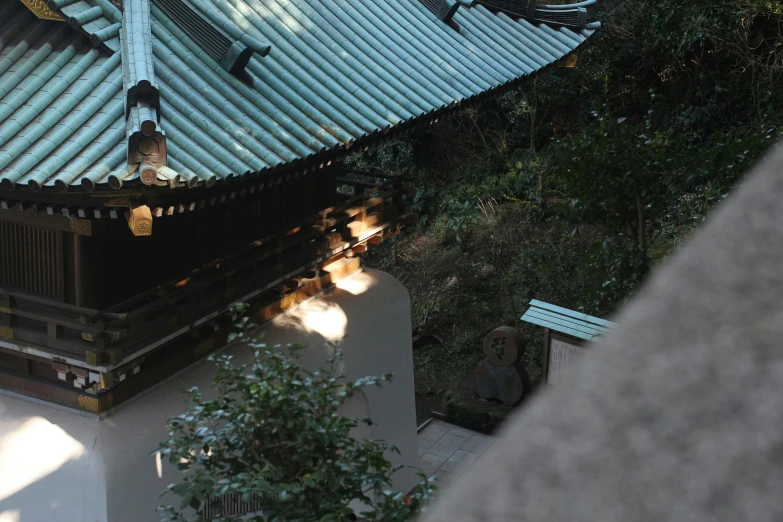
{"x":567,"y":335}
{"x":560,"y":353}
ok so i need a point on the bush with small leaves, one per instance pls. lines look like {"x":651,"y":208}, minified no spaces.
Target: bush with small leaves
{"x":273,"y":436}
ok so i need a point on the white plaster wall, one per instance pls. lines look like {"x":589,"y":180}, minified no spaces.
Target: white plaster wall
{"x":60,"y":466}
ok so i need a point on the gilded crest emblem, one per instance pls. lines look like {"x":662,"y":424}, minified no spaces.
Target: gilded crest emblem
{"x":42,"y":11}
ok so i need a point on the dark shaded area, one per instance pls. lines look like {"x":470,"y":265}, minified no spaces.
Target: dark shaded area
{"x":574,"y":187}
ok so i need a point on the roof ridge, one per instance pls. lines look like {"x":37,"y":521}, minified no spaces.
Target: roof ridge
{"x":146,"y":140}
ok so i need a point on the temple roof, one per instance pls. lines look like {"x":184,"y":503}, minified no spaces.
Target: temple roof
{"x":189,"y":93}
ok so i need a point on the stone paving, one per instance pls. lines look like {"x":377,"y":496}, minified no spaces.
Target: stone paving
{"x":447,"y":451}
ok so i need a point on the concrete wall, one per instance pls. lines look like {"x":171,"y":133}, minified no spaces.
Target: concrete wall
{"x":60,"y":466}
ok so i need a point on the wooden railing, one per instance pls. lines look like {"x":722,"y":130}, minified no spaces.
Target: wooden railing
{"x":104,"y":339}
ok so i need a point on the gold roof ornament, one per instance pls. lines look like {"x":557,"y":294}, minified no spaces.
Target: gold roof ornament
{"x":42,"y":11}
{"x":140,"y":220}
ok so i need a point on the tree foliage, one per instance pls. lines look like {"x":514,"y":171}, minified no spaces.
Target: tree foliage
{"x":618,"y":175}
{"x":578,"y":150}
{"x":273,"y":434}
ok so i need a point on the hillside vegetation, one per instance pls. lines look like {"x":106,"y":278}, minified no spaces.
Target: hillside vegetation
{"x":572,"y":187}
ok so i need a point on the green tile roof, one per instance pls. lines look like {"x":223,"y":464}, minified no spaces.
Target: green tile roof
{"x":99,"y":18}
{"x":565,"y":321}
{"x":338,"y":72}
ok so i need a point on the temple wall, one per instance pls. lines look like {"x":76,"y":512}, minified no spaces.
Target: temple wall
{"x":58,"y":465}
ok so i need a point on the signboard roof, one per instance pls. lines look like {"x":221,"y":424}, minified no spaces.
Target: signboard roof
{"x":565,"y":321}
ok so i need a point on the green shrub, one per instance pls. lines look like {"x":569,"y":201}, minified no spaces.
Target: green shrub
{"x":273,"y":434}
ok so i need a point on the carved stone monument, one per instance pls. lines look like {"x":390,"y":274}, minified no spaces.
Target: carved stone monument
{"x":501,"y":375}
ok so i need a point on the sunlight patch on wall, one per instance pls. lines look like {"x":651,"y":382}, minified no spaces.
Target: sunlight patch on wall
{"x":32,"y":451}
{"x":325,"y":319}
{"x":12,"y":515}
{"x":356,"y":285}
{"x":159,"y":465}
